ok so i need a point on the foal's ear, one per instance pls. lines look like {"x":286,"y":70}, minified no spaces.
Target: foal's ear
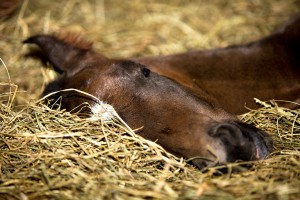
{"x":66,"y":52}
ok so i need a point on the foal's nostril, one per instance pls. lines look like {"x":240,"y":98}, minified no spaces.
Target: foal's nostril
{"x":236,"y":141}
{"x":229,"y":134}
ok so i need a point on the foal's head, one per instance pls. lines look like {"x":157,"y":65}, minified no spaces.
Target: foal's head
{"x":169,"y":113}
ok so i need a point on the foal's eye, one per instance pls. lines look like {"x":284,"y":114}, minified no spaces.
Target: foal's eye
{"x":146,"y":71}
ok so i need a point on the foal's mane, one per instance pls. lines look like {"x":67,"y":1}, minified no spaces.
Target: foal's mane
{"x":75,"y":40}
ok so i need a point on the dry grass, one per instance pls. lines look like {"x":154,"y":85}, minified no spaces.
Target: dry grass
{"x":51,"y":154}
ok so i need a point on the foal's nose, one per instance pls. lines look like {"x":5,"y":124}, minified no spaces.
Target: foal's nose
{"x":242,"y":141}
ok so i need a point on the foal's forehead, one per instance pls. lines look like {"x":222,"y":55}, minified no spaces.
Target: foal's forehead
{"x":125,"y":68}
{"x":115,"y":67}
{"x":114,"y":70}
{"x":129,"y":65}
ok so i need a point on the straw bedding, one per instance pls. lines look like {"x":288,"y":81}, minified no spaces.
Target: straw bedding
{"x":52,"y":154}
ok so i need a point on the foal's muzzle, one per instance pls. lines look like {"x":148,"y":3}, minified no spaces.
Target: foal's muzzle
{"x":242,"y":142}
{"x":236,"y":141}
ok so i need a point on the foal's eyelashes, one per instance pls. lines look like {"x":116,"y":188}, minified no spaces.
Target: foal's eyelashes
{"x":146,"y":72}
